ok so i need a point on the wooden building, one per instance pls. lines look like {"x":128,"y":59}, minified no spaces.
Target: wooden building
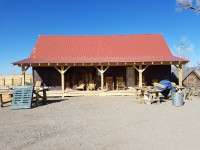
{"x":61,"y":61}
{"x":190,"y":77}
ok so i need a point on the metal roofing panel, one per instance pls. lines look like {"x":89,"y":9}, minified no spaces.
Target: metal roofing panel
{"x":114,"y":48}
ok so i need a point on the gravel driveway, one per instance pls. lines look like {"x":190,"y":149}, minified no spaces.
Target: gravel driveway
{"x":102,"y":123}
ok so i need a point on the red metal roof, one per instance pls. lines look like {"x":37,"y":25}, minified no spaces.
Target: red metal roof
{"x":91,"y":49}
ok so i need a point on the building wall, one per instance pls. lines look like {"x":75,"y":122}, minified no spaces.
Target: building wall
{"x":159,"y":72}
{"x":52,"y":78}
{"x":48,"y":75}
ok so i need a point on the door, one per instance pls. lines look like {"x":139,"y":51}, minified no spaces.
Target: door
{"x":130,"y":76}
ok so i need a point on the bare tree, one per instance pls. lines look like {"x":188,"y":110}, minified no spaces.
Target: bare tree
{"x":188,"y":4}
{"x":185,"y":48}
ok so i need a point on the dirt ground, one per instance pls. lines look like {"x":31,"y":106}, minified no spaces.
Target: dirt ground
{"x":101,"y":123}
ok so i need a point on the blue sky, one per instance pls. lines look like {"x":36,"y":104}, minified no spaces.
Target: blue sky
{"x":22,"y":21}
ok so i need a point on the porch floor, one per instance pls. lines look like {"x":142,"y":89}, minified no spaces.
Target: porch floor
{"x":129,"y":92}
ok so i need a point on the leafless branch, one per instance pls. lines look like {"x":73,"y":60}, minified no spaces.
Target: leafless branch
{"x":188,"y":4}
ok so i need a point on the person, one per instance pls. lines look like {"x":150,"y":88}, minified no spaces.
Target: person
{"x":166,"y":88}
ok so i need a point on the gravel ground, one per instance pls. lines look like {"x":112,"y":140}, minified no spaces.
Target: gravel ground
{"x":101,"y":123}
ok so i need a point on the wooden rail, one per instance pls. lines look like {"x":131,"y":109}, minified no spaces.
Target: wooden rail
{"x":13,"y":81}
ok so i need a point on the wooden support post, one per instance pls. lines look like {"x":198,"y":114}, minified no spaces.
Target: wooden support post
{"x":62,"y":72}
{"x":102,"y":83}
{"x":4,"y":82}
{"x":23,"y":75}
{"x":140,"y":75}
{"x":140,"y":70}
{"x":102,"y":75}
{"x":62,"y":81}
{"x":180,"y":75}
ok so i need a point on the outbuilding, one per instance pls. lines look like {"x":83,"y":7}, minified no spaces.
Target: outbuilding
{"x":190,"y":77}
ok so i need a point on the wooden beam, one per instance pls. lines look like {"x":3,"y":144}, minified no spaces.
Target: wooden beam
{"x":62,"y":72}
{"x":106,"y":69}
{"x":145,"y":68}
{"x":63,"y":80}
{"x":57,"y":69}
{"x":180,"y":75}
{"x":102,"y":77}
{"x":140,"y":70}
{"x":135,"y":68}
{"x":66,"y":69}
{"x":140,"y":75}
{"x":25,"y":69}
{"x":23,"y":75}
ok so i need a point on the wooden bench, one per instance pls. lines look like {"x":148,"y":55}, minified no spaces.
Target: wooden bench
{"x":37,"y":92}
{"x":9,"y":98}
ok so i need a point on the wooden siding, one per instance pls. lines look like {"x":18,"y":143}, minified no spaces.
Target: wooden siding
{"x":191,"y":80}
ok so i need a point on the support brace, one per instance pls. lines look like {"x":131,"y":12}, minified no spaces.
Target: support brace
{"x":101,"y":71}
{"x":24,"y":69}
{"x":140,"y":70}
{"x":62,"y":72}
{"x":180,"y":74}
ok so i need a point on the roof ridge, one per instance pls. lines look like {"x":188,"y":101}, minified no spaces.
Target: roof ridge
{"x":103,"y":35}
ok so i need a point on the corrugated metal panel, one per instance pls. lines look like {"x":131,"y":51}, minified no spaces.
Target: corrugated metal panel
{"x":86,"y":49}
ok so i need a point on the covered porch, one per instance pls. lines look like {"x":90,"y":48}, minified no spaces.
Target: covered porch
{"x":67,"y":75}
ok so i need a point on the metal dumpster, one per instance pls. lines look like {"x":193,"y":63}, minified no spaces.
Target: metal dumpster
{"x":177,"y":98}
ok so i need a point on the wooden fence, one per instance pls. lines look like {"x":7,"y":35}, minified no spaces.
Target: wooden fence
{"x":14,"y":80}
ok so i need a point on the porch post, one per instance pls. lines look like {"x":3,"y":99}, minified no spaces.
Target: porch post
{"x":180,"y":75}
{"x":62,"y":81}
{"x":23,"y":75}
{"x":62,"y":72}
{"x":140,"y":70}
{"x":140,"y":75}
{"x":102,"y":76}
{"x":102,"y":83}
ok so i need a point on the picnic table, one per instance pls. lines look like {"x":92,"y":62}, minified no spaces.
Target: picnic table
{"x":5,"y":92}
{"x":39,"y":93}
{"x":148,"y":94}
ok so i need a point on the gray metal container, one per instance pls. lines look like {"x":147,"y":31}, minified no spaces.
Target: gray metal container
{"x":177,"y":99}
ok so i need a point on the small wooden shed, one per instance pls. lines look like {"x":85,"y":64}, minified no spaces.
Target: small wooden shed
{"x":190,"y":77}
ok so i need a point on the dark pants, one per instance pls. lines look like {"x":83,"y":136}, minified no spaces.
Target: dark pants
{"x":165,"y":93}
